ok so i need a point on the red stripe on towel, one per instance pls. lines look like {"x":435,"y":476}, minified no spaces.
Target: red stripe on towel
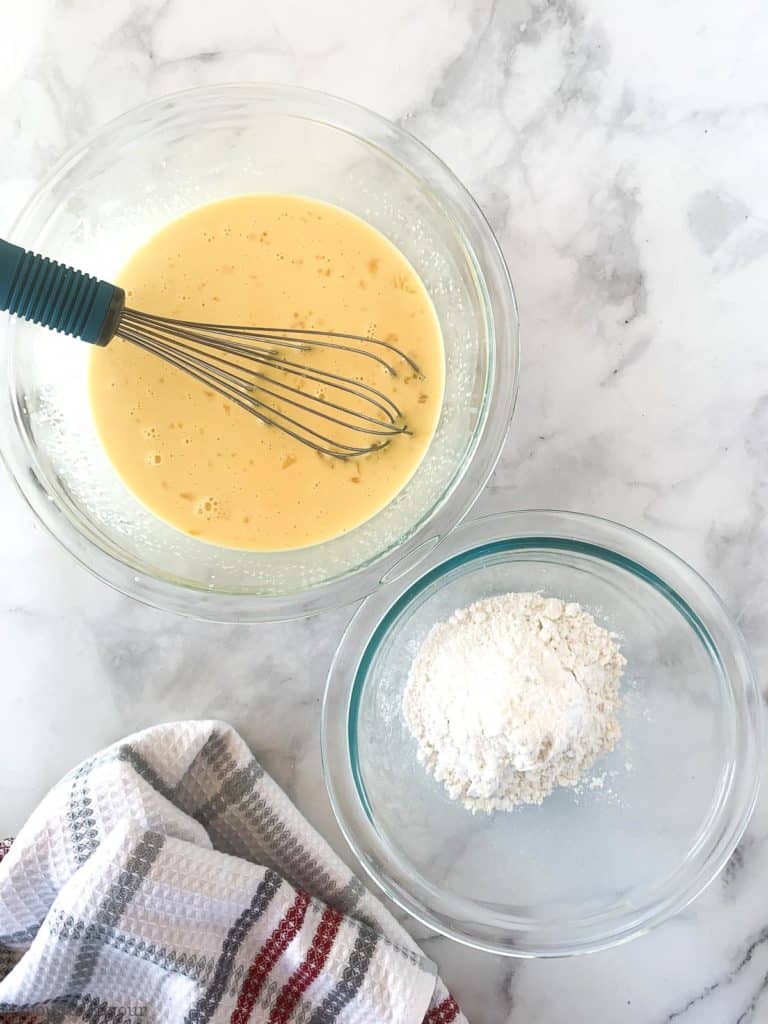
{"x":443,"y":1013}
{"x":267,"y":957}
{"x":308,"y":971}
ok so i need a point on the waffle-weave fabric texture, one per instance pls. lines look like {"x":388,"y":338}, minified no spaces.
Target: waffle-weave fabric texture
{"x":169,"y":879}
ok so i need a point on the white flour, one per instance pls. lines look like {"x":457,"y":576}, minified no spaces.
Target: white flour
{"x":512,"y":697}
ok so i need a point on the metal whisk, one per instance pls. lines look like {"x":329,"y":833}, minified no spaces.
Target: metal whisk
{"x":257,"y":368}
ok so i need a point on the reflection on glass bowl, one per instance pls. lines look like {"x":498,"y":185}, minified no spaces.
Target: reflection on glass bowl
{"x":153,"y":164}
{"x":588,"y":868}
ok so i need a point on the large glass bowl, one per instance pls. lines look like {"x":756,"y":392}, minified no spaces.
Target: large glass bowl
{"x":107,"y":197}
{"x":588,"y":868}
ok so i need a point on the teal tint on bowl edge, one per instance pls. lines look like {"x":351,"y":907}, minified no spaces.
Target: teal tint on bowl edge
{"x":590,"y":867}
{"x":475,"y":554}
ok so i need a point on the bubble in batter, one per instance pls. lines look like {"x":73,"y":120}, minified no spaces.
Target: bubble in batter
{"x":202,"y":463}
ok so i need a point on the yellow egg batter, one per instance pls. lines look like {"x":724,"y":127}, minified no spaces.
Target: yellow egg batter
{"x":210,"y":468}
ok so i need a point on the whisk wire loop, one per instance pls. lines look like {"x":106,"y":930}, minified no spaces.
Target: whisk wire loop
{"x":246,"y":365}
{"x":257,"y":368}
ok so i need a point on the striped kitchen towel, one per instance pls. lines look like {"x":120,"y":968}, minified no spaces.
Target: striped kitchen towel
{"x":169,"y":879}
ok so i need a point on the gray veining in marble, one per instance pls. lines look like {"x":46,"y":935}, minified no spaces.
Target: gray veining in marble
{"x":620,"y":152}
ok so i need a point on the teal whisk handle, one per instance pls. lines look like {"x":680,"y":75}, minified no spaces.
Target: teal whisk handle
{"x":67,"y":300}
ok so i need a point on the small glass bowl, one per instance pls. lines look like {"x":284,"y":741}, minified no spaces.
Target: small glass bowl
{"x":591,"y":867}
{"x":104,"y":199}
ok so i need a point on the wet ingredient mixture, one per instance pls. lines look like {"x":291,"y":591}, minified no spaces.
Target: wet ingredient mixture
{"x":208,"y":467}
{"x":512,"y":697}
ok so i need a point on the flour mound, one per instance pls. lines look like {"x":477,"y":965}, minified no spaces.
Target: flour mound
{"x":512,"y":697}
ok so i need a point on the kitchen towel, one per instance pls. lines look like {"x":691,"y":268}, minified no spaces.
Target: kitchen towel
{"x":169,"y":879}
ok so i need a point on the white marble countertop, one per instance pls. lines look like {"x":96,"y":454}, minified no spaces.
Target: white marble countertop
{"x":620,"y":151}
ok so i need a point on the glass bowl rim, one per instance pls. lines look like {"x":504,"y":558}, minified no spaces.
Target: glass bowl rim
{"x":480,"y":459}
{"x":552,"y":530}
